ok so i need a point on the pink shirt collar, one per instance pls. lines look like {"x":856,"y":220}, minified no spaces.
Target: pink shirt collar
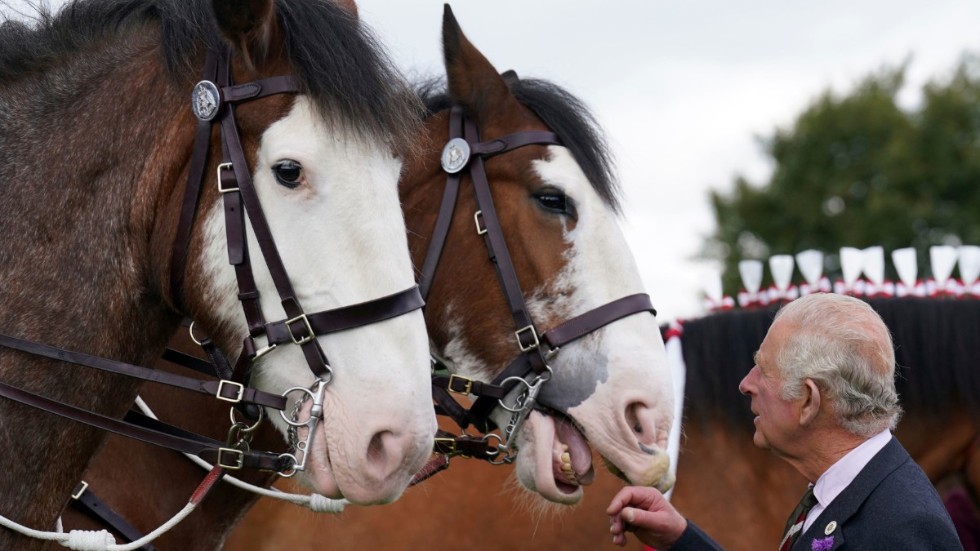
{"x":840,"y":475}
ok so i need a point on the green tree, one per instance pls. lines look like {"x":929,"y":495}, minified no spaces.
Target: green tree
{"x":858,"y":170}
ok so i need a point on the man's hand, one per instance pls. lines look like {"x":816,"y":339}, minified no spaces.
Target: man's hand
{"x":645,"y":512}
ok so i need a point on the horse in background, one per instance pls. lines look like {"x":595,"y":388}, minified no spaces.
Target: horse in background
{"x":96,"y":139}
{"x":556,"y":206}
{"x":740,"y":494}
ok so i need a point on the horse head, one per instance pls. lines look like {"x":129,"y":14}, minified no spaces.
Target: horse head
{"x":552,"y":190}
{"x":325,"y":166}
{"x":297,"y":215}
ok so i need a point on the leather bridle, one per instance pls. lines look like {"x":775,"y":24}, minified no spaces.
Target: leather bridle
{"x":213,"y":102}
{"x":465,"y":153}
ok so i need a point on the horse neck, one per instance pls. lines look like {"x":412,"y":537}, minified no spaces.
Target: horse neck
{"x":80,"y":157}
{"x":83,"y":172}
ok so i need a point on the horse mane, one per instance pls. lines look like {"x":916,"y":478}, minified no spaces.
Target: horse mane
{"x":718,"y":352}
{"x":936,"y":347}
{"x":564,"y":114}
{"x":339,"y":62}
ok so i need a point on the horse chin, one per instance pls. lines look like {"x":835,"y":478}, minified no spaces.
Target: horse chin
{"x":556,"y":460}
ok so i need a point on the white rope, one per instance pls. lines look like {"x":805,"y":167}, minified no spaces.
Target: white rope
{"x":89,"y":540}
{"x":314,"y":502}
{"x":102,"y":540}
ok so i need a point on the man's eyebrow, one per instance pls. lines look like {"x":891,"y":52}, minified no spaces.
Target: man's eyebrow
{"x":755,"y":357}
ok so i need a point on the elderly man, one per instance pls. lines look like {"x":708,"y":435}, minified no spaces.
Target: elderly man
{"x":823,"y":395}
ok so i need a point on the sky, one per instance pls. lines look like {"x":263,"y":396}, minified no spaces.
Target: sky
{"x":683,"y":90}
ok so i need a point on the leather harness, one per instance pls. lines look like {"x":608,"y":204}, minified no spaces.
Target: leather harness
{"x":239,"y":196}
{"x":532,"y":361}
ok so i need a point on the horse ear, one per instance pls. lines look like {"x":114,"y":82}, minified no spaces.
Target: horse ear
{"x":349,"y":5}
{"x":471,"y":80}
{"x":247,"y":24}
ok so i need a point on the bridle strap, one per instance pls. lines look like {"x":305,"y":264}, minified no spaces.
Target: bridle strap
{"x":192,"y":192}
{"x":219,"y":389}
{"x":497,"y":247}
{"x":350,"y":317}
{"x":446,"y":209}
{"x":556,"y":337}
{"x":207,"y":449}
{"x":597,"y":318}
{"x":85,"y":501}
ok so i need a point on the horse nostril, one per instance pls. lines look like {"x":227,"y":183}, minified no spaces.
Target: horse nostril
{"x":376,"y":452}
{"x":632,"y":419}
{"x":642,"y":421}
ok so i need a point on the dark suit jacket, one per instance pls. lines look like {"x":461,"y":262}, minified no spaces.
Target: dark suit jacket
{"x":890,"y":505}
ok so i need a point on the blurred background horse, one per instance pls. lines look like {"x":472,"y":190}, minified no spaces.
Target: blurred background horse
{"x":739,"y":493}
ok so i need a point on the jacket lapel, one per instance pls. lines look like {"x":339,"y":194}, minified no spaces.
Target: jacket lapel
{"x":827,"y":532}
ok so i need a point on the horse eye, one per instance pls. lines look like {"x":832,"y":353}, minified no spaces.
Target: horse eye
{"x":556,"y":201}
{"x":288,"y":173}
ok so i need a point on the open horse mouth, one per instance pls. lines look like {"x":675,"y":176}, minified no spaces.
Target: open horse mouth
{"x":562,"y":458}
{"x":556,"y":461}
{"x":571,"y":455}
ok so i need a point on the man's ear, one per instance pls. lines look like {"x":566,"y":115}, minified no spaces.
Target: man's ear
{"x":811,"y":403}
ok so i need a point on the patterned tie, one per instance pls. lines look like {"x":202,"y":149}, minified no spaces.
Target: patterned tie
{"x":794,"y":524}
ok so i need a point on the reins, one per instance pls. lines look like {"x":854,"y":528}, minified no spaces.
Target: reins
{"x":465,"y":153}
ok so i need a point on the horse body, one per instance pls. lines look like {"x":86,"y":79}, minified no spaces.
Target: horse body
{"x":95,"y":142}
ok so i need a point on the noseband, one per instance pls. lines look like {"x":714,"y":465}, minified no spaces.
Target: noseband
{"x":213,"y":102}
{"x":530,"y":369}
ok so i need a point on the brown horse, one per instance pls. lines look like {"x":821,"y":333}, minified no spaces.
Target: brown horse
{"x":97,"y":136}
{"x":556,"y":206}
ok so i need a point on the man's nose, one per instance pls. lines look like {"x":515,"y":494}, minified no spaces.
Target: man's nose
{"x":743,"y":386}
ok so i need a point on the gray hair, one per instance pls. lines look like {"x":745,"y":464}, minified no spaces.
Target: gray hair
{"x":843,"y":345}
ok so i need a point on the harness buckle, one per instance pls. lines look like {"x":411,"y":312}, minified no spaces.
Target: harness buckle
{"x":467,"y":387}
{"x":221,"y":188}
{"x":237,"y":458}
{"x":478,"y":218}
{"x":309,"y":330}
{"x":445,"y":446}
{"x":534,"y":336}
{"x":79,"y":490}
{"x":239,"y":391}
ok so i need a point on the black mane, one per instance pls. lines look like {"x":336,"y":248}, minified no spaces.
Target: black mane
{"x":565,"y":115}
{"x":338,"y":61}
{"x":937,"y":343}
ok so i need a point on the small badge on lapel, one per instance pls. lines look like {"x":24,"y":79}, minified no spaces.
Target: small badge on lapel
{"x":831,"y":526}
